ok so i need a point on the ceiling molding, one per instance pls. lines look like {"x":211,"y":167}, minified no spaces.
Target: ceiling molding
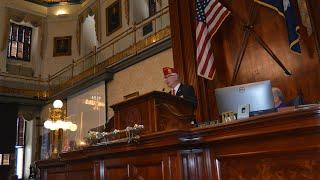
{"x":64,"y":18}
{"x":50,"y":3}
{"x":25,"y":10}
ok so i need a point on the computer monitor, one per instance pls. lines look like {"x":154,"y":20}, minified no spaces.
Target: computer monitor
{"x":258,"y":95}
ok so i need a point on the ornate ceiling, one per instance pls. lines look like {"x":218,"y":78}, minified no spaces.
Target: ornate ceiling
{"x":56,"y":2}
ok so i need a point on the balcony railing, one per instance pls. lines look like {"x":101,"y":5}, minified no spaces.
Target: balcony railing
{"x":128,"y":43}
{"x":23,"y":86}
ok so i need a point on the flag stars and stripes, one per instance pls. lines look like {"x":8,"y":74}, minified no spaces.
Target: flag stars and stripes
{"x":210,"y":15}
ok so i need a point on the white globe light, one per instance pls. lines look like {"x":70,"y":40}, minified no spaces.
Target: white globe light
{"x":59,"y":124}
{"x":73,"y":127}
{"x":54,"y":126}
{"x":57,"y":104}
{"x":48,"y":124}
{"x":63,"y":125}
{"x":67,"y":124}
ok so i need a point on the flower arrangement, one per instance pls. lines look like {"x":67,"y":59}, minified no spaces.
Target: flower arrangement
{"x":131,"y":134}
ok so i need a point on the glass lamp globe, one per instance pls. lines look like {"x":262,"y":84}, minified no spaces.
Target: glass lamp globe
{"x":54,"y":126}
{"x":48,"y":124}
{"x":68,"y":125}
{"x":59,"y":124}
{"x":73,"y":127}
{"x":57,"y":104}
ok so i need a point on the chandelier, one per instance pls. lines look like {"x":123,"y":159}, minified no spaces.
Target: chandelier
{"x":95,"y":102}
{"x":57,"y":118}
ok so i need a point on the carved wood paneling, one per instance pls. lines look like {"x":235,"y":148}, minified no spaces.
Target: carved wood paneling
{"x":56,"y":176}
{"x":80,"y":175}
{"x":139,"y":113}
{"x":141,"y":167}
{"x":277,"y":168}
{"x":196,"y":165}
{"x":54,"y":172}
{"x":314,"y":10}
{"x":80,"y":171}
{"x":148,"y":170}
{"x":117,"y":172}
{"x":157,"y":111}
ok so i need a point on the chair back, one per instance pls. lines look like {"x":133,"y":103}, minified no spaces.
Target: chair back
{"x":298,"y":100}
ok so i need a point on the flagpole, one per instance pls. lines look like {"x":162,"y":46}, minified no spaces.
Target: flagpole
{"x":248,"y":30}
{"x":245,"y":40}
{"x":269,"y":51}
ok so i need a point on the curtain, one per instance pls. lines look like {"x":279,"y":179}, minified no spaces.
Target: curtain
{"x":94,"y":9}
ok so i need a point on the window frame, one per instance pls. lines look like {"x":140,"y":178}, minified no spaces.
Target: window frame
{"x":10,"y":42}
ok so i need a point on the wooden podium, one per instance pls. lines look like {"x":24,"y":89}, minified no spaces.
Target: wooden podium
{"x":157,"y":111}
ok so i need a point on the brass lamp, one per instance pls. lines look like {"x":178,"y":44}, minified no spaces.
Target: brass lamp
{"x":57,"y":118}
{"x":56,"y":123}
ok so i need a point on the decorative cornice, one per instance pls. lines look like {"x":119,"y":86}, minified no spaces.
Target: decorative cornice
{"x":51,"y":4}
{"x":22,"y":100}
{"x":13,"y":6}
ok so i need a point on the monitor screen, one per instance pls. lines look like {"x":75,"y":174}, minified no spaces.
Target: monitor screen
{"x":258,"y":95}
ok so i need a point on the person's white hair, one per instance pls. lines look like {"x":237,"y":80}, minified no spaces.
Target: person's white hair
{"x":277,"y":92}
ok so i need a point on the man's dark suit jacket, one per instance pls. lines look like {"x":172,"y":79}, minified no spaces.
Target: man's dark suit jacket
{"x":188,"y":93}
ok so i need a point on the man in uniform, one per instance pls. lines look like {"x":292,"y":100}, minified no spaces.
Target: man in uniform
{"x":171,"y":78}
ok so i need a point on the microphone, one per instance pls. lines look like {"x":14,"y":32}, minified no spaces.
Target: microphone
{"x":164,"y":90}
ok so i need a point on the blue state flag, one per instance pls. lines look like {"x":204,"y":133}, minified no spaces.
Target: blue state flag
{"x":286,"y":10}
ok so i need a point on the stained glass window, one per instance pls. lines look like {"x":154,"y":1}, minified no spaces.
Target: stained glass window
{"x":19,"y":45}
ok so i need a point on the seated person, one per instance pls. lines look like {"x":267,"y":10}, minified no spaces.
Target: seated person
{"x":278,"y":98}
{"x":171,"y":78}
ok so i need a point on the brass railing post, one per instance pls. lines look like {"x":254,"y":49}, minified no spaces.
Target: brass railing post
{"x":72,"y":71}
{"x":39,"y":93}
{"x":49,"y":87}
{"x":135,"y":38}
{"x":113,"y":49}
{"x":155,"y":25}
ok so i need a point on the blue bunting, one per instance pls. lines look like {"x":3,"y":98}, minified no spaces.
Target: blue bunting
{"x":286,"y":10}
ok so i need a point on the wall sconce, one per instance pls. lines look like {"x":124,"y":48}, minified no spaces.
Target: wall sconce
{"x":57,"y":118}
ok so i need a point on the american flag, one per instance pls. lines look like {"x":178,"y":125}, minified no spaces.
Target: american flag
{"x":210,"y":15}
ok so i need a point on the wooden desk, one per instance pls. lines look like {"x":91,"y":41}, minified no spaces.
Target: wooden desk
{"x":281,"y":145}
